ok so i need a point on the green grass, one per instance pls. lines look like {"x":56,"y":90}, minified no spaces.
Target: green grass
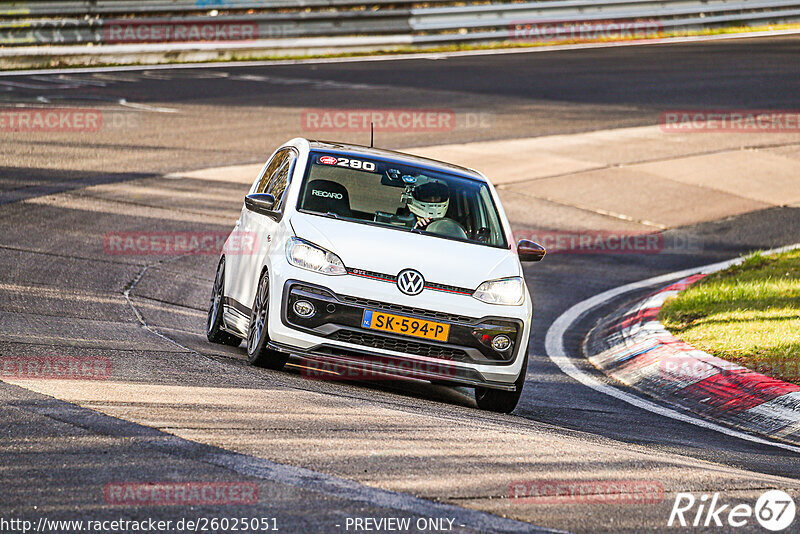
{"x":748,"y":314}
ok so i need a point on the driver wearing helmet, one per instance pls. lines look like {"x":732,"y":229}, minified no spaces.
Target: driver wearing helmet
{"x":429,"y":201}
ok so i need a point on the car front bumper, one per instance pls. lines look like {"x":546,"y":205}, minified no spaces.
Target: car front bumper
{"x":335,"y":336}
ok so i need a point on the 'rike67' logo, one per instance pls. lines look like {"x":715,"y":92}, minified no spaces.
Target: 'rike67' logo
{"x":774,"y":510}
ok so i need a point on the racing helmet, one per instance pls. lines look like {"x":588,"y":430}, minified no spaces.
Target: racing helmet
{"x":430,"y":200}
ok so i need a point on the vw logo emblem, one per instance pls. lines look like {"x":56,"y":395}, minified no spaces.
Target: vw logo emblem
{"x":410,"y":282}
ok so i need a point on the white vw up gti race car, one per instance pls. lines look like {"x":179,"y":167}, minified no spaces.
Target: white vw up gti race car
{"x":368,"y":257}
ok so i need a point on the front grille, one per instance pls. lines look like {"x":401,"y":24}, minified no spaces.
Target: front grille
{"x":427,"y":314}
{"x":399,"y":345}
{"x":393,"y":278}
{"x":375,"y":304}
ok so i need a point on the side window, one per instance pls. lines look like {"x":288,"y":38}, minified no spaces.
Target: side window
{"x":274,"y":164}
{"x":279,"y":182}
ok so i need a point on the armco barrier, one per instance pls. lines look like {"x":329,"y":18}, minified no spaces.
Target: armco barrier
{"x":126,"y":7}
{"x":633,"y":347}
{"x":238,"y":28}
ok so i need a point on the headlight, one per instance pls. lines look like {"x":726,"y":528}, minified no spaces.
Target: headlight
{"x":507,"y":291}
{"x":307,"y":256}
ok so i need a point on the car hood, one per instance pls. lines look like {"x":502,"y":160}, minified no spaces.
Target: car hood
{"x":388,"y":251}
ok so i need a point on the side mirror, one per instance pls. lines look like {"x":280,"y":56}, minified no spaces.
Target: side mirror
{"x":530,"y":251}
{"x":262,"y":203}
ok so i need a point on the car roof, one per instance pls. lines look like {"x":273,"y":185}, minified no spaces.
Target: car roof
{"x":396,"y":156}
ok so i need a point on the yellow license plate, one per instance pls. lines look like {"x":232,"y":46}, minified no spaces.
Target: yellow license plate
{"x":406,"y":326}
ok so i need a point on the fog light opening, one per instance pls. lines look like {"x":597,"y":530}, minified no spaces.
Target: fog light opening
{"x":304,"y":309}
{"x":501,"y":343}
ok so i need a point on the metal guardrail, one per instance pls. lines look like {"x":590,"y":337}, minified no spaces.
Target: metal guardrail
{"x":127,"y":7}
{"x":435,"y":19}
{"x":200,"y":28}
{"x":346,"y":24}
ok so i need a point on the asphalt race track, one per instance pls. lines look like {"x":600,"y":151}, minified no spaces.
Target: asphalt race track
{"x":177,"y":408}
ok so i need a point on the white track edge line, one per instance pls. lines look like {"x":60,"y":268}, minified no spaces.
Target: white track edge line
{"x":554,"y":346}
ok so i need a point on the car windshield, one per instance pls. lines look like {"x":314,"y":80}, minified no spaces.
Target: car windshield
{"x":414,"y":199}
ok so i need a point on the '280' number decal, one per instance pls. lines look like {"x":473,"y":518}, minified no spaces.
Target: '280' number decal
{"x":347,"y":162}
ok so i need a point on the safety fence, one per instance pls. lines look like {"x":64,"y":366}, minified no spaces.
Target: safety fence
{"x":346,"y":24}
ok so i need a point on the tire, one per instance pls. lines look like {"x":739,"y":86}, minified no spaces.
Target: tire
{"x":214,"y":331}
{"x":495,"y":400}
{"x":258,"y":353}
